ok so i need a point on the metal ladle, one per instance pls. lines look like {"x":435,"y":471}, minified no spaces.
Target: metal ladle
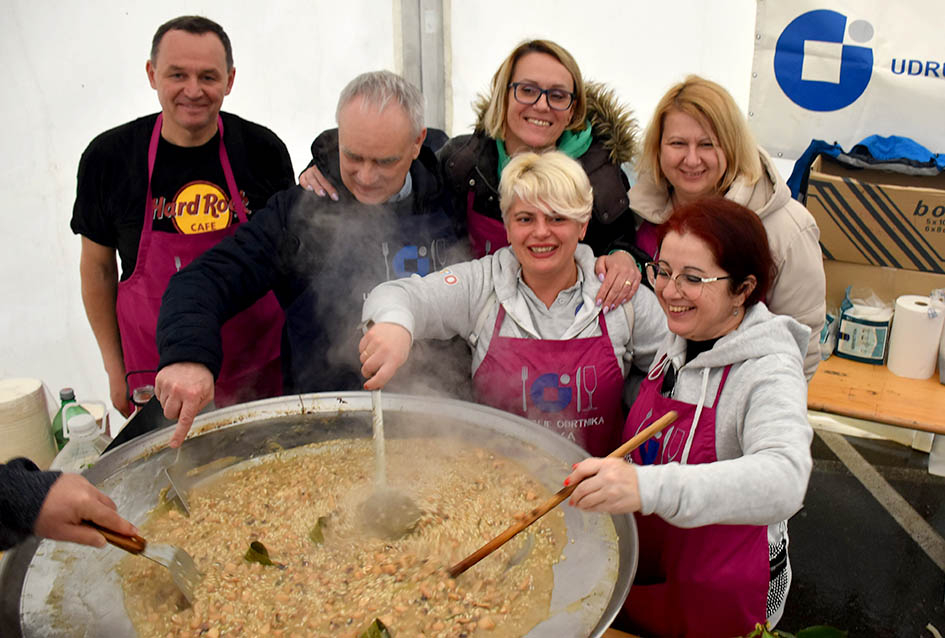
{"x":388,"y":513}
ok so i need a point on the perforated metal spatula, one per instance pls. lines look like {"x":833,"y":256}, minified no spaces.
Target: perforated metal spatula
{"x":183,"y":570}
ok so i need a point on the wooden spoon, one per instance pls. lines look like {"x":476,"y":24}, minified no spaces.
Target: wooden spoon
{"x":555,"y":500}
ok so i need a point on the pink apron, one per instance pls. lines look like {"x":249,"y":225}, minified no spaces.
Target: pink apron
{"x":251,"y":340}
{"x":573,"y":386}
{"x":707,"y":581}
{"x":486,"y":235}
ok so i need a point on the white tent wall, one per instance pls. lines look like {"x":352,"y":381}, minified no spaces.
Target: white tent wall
{"x":76,"y":69}
{"x":638,"y":47}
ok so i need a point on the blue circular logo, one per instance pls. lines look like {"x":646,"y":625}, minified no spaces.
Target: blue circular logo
{"x":547,"y":395}
{"x":813,"y":66}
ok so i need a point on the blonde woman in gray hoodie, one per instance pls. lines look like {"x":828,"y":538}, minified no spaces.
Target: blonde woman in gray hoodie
{"x":541,"y":346}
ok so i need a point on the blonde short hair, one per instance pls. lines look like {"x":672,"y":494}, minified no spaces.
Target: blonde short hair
{"x":711,"y":105}
{"x":493,"y":120}
{"x":552,"y":182}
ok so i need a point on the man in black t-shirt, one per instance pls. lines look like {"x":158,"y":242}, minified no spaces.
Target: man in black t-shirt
{"x":162,"y":189}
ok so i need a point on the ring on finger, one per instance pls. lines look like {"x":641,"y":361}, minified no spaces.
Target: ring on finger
{"x":627,"y":283}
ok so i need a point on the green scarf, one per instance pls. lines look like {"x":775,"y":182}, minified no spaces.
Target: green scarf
{"x":572,"y":143}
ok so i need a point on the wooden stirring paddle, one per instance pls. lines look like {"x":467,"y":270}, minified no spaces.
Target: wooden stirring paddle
{"x":555,"y":500}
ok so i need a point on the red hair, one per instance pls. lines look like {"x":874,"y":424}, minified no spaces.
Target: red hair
{"x":735,"y":237}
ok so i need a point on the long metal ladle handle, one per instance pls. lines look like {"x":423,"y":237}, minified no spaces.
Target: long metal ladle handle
{"x":377,"y":415}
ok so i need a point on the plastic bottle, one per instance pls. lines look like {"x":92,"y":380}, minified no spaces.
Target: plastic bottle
{"x":86,"y":443}
{"x":67,"y":408}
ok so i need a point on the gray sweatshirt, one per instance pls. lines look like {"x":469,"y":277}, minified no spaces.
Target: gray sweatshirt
{"x":762,"y":433}
{"x":464,"y":300}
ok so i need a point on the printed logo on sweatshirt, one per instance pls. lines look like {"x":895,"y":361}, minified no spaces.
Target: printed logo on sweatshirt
{"x":448,"y":277}
{"x":816,"y":64}
{"x":198,"y":207}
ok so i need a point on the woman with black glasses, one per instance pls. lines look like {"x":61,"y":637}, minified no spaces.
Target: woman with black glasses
{"x":539,"y":101}
{"x":712,"y":493}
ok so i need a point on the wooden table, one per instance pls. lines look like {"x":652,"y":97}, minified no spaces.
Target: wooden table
{"x":873,"y":393}
{"x":613,"y":633}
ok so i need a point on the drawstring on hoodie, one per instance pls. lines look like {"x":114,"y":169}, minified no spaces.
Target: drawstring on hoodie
{"x":695,"y":418}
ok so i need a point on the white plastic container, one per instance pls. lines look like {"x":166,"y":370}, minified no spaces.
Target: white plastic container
{"x":937,"y":456}
{"x":941,"y":359}
{"x":86,"y":442}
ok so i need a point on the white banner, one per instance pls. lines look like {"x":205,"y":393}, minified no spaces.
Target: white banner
{"x":840,"y":70}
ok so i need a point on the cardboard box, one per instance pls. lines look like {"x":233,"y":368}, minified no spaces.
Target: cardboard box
{"x":887,"y":283}
{"x":875,"y":217}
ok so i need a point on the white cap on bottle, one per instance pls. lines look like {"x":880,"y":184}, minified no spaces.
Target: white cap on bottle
{"x":81,"y":426}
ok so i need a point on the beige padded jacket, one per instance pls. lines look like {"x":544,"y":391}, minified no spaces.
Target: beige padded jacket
{"x":799,"y":289}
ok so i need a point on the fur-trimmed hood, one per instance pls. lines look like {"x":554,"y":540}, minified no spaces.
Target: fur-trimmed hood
{"x":611,"y":122}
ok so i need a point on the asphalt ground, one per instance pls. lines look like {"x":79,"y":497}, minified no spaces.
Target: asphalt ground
{"x":866,"y":549}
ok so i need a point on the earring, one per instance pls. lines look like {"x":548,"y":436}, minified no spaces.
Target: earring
{"x":735,"y":311}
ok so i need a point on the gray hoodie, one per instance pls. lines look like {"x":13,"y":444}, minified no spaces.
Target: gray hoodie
{"x":762,"y":434}
{"x":464,"y":300}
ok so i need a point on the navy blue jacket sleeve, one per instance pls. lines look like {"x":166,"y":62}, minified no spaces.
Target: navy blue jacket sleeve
{"x":23,"y":488}
{"x":225,"y":280}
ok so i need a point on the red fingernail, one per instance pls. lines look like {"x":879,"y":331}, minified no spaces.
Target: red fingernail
{"x":567,"y":481}
{"x":574,"y":467}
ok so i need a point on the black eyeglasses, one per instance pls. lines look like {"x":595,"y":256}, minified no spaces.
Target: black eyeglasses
{"x":526,"y":93}
{"x":688,"y":284}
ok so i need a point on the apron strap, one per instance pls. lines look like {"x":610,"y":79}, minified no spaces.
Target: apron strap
{"x":701,"y":404}
{"x":152,"y":155}
{"x":236,"y":200}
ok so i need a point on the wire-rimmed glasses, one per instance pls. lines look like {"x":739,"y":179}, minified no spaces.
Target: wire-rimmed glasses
{"x":688,"y":284}
{"x":528,"y":93}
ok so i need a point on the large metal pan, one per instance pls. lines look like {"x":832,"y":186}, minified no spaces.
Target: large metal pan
{"x":54,"y":589}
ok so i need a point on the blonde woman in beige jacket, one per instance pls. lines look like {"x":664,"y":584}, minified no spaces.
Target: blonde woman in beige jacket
{"x":698,"y":144}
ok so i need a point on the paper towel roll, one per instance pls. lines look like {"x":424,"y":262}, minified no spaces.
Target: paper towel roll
{"x":24,"y":422}
{"x":913,"y":342}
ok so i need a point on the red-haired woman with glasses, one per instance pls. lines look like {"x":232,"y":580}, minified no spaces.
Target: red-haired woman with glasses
{"x":711,"y":494}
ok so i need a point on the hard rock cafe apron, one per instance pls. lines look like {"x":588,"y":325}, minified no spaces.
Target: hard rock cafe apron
{"x":707,"y":581}
{"x":573,"y":386}
{"x":486,"y":235}
{"x":251,"y":340}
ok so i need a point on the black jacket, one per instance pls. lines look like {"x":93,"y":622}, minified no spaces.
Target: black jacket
{"x":23,"y":488}
{"x":470,"y":165}
{"x":321,"y":258}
